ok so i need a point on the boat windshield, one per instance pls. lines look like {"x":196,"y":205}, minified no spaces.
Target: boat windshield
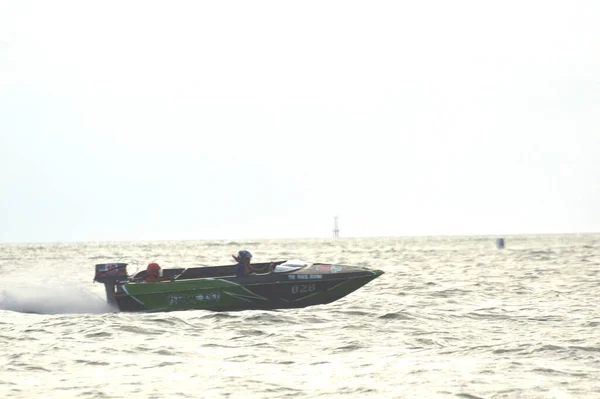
{"x":291,"y":266}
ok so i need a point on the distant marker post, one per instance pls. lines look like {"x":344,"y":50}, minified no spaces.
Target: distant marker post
{"x":336,"y":228}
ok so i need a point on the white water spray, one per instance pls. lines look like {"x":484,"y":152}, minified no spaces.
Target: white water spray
{"x":49,"y":296}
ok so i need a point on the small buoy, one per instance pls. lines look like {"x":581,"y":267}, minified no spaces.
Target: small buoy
{"x":500,"y":243}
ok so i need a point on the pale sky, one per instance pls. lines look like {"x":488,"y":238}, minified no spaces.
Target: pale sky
{"x":160,"y":120}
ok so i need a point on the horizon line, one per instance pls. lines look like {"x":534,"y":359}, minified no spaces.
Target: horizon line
{"x":299,"y":238}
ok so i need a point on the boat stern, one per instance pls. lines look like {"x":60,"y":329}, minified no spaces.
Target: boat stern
{"x":111,"y":275}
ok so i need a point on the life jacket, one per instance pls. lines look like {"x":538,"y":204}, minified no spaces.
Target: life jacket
{"x":151,"y":279}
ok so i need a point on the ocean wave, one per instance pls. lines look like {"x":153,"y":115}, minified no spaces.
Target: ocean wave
{"x":452,"y":317}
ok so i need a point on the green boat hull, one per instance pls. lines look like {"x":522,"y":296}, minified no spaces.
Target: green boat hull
{"x":221,"y":294}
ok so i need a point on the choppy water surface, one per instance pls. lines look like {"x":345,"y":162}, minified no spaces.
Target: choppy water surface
{"x":452,"y":317}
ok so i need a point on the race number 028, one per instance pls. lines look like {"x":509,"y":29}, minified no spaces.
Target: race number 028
{"x":303,"y":288}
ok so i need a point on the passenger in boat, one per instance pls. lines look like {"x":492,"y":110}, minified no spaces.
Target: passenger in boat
{"x":153,"y":274}
{"x":243,"y":266}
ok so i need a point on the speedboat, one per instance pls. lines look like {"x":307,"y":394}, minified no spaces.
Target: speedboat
{"x":287,"y":284}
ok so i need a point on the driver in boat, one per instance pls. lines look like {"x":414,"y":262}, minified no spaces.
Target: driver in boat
{"x":244,"y":267}
{"x":243,"y":259}
{"x":153,"y":274}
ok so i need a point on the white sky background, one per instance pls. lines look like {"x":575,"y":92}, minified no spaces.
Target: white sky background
{"x":131,"y":120}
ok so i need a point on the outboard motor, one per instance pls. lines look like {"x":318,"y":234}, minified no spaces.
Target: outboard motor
{"x":111,"y":274}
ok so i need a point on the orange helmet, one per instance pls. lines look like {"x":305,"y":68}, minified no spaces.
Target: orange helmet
{"x":153,"y":269}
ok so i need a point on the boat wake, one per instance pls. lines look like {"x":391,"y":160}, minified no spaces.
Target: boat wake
{"x":50,"y":297}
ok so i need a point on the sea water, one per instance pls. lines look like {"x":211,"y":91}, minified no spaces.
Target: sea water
{"x":451,"y":317}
